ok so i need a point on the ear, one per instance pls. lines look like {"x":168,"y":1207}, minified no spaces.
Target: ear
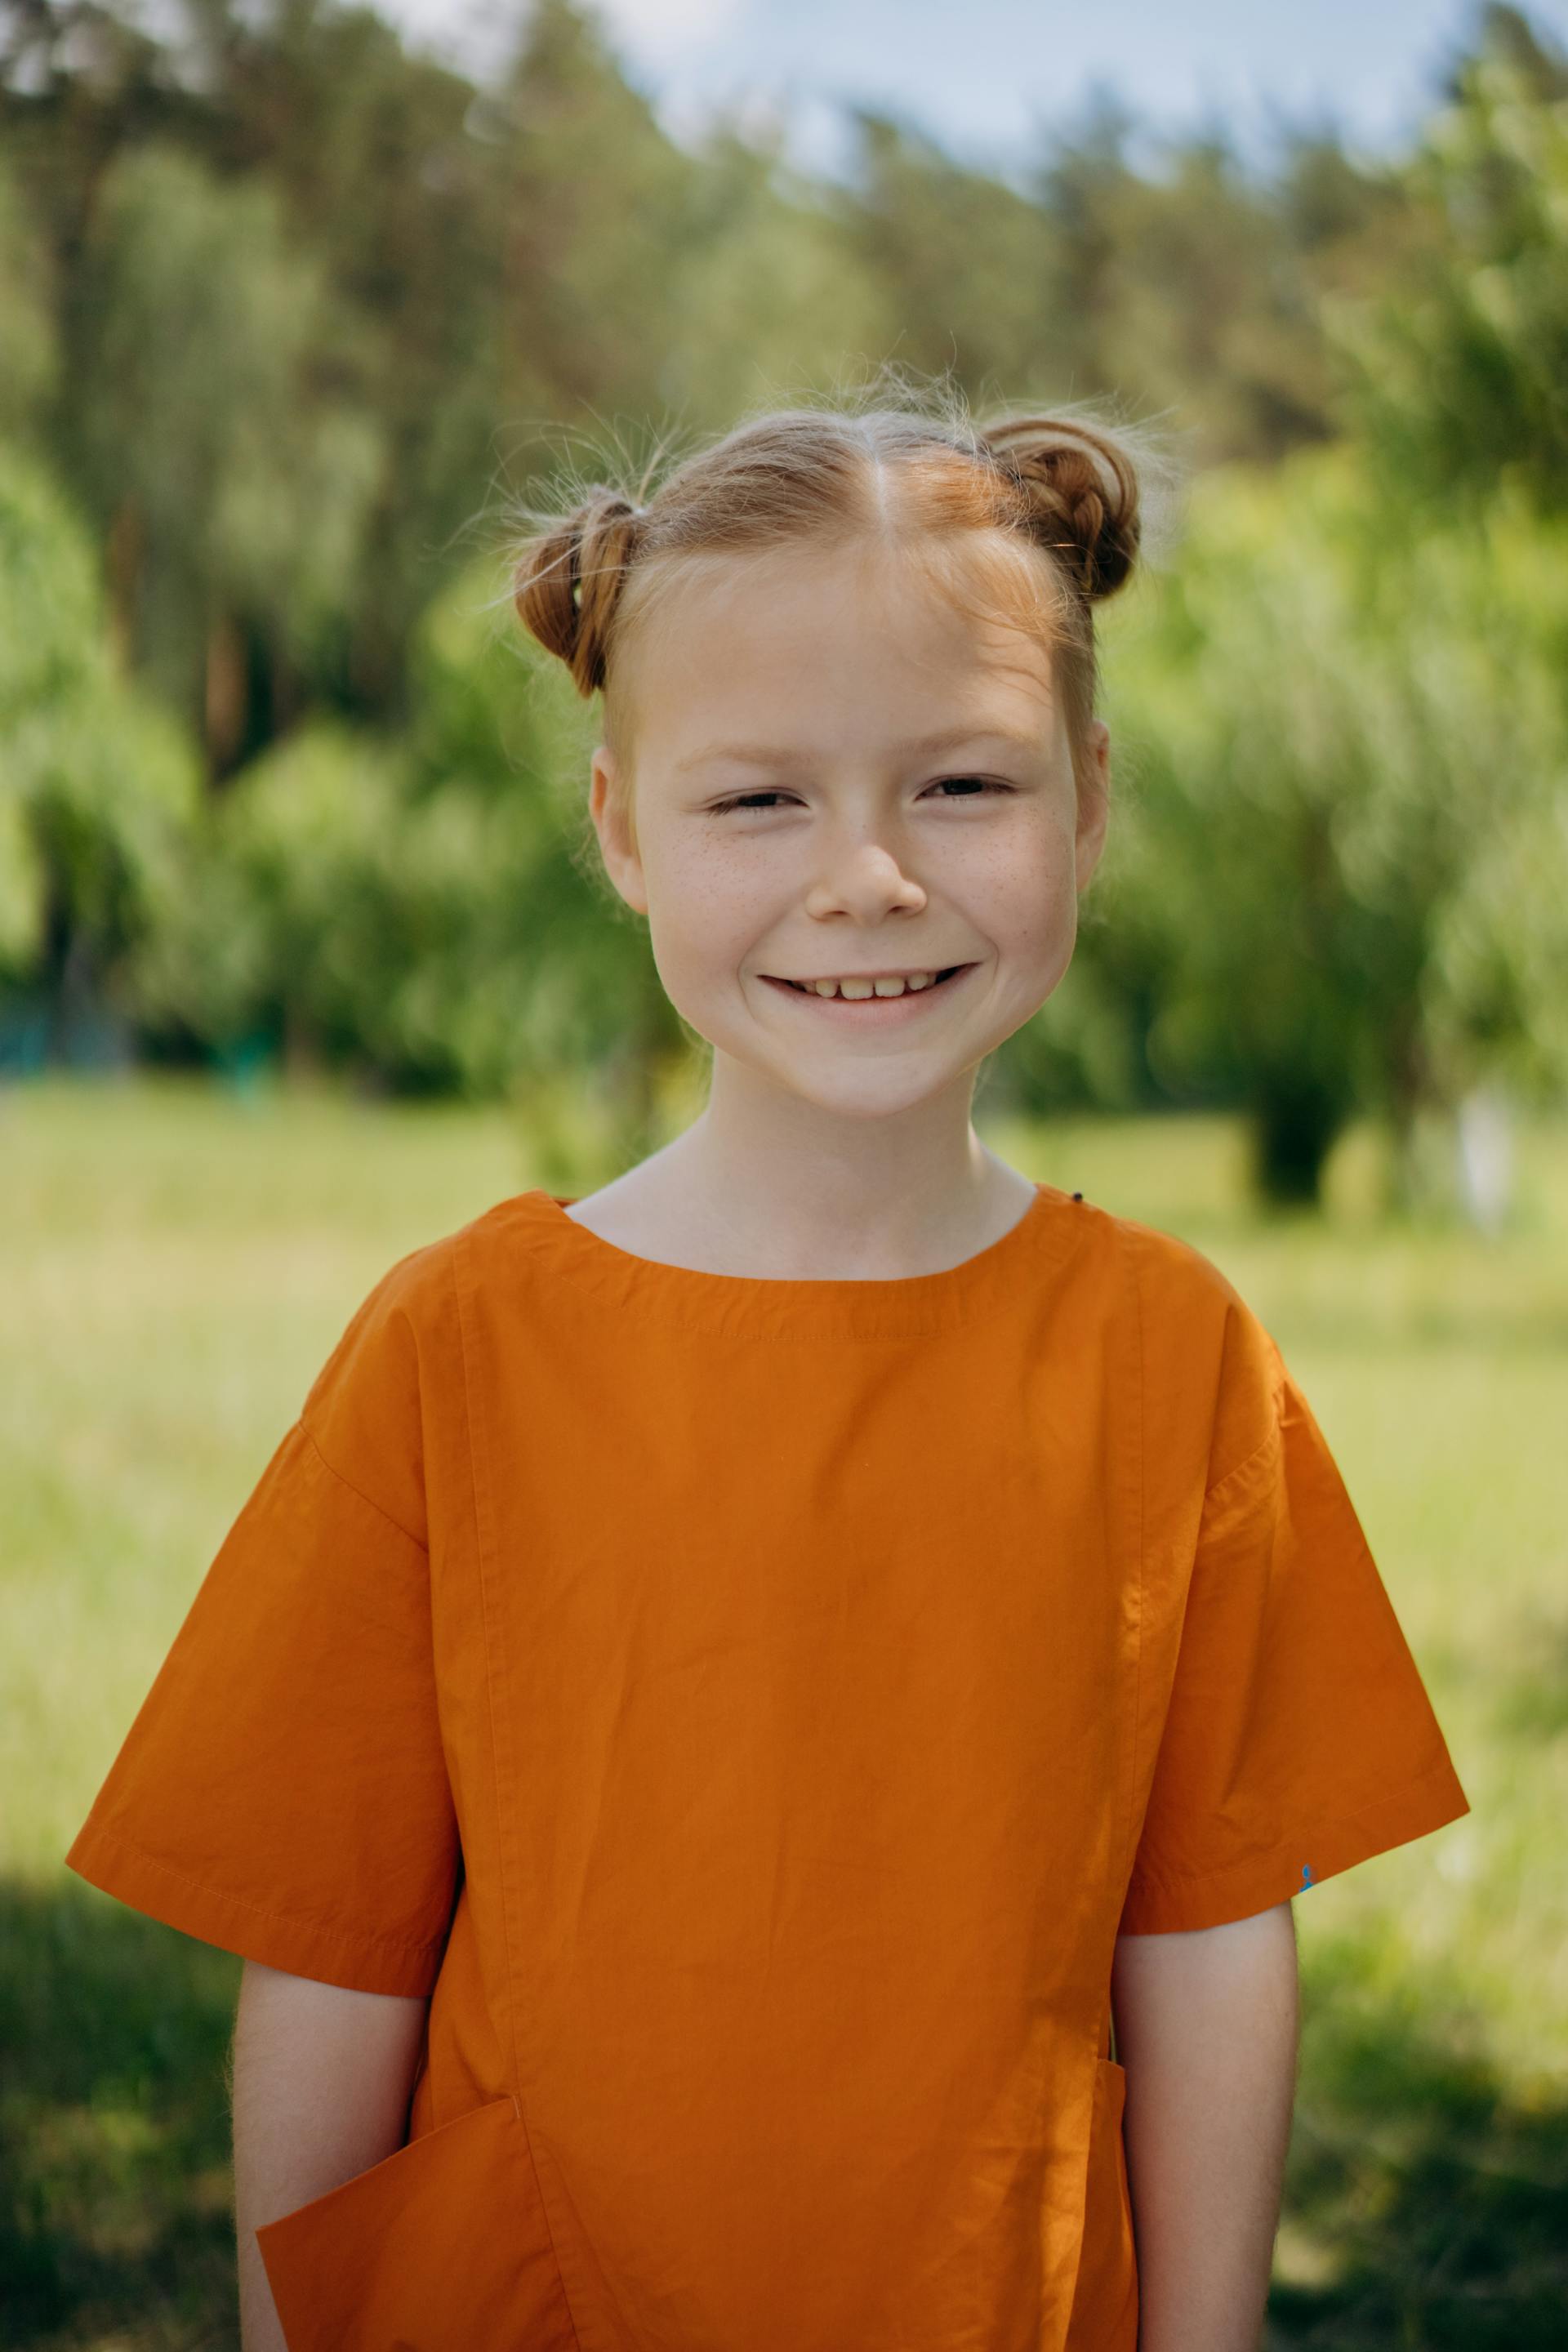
{"x":609,"y":807}
{"x":1093,"y":803}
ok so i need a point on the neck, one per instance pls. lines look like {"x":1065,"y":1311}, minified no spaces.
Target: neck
{"x":769,"y":1184}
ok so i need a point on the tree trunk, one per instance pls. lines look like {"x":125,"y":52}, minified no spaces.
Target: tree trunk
{"x":1296,"y":1118}
{"x":225,"y":701}
{"x":127,"y":538}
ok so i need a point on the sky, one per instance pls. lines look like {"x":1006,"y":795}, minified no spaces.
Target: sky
{"x":985,"y":77}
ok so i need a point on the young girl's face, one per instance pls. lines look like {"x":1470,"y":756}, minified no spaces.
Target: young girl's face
{"x":838,"y":773}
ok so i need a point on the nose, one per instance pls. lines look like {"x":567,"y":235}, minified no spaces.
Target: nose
{"x":864,"y":880}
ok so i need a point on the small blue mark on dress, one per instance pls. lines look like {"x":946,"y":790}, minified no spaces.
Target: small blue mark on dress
{"x":1307,"y":1879}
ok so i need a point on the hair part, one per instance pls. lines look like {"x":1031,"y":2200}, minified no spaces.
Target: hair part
{"x":914,"y":468}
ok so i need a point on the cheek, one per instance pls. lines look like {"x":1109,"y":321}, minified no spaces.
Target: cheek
{"x":707,"y":901}
{"x":1020,"y":889}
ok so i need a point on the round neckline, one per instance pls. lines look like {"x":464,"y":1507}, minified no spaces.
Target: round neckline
{"x":847,"y":1306}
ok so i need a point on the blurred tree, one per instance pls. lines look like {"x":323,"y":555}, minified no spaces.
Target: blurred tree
{"x":775,"y":295}
{"x":423,"y":911}
{"x":1495,"y":1007}
{"x":1352,"y":221}
{"x":1342,"y":748}
{"x":382,"y":195}
{"x":598,"y":216}
{"x":232,"y":478}
{"x":393,"y":178}
{"x":98,"y":787}
{"x":30,"y":340}
{"x":1190,"y":291}
{"x":1086,"y":186}
{"x":1215,"y":321}
{"x":1191,"y":288}
{"x":961,"y":260}
{"x":1455,"y":367}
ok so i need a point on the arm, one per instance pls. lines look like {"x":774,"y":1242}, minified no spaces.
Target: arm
{"x":321,"y":2079}
{"x":1206,"y":2026}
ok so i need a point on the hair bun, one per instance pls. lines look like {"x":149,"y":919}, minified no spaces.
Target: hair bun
{"x":1081,"y":491}
{"x":568,"y":581}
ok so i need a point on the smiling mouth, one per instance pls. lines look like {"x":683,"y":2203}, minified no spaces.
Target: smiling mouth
{"x":869,"y":992}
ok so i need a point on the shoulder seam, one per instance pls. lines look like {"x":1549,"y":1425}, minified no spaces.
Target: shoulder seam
{"x":369,"y":1500}
{"x":1273,"y":1435}
{"x":1245,"y":1464}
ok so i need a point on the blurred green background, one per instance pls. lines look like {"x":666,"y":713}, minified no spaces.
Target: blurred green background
{"x":305,"y":956}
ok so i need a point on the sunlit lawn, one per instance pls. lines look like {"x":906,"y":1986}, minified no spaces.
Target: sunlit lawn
{"x":175,"y":1262}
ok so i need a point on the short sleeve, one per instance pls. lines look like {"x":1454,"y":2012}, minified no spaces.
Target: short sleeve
{"x":1299,"y":1739}
{"x":283,"y":1791}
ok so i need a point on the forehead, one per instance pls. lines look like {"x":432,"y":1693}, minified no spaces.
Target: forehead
{"x":823,"y":647}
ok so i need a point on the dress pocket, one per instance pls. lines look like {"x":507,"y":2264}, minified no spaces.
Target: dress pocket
{"x":1105,"y":2300}
{"x":443,"y":2246}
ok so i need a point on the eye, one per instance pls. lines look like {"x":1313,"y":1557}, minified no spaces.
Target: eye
{"x":969,"y":787}
{"x":745,"y":801}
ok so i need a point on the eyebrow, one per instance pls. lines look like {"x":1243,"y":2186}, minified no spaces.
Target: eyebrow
{"x":760,"y":755}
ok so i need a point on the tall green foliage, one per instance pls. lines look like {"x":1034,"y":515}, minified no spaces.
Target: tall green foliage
{"x":237,"y":484}
{"x":1457,"y":366}
{"x":1345,"y":750}
{"x":420,"y":910}
{"x":318,"y":297}
{"x":97,"y":783}
{"x":29,"y":377}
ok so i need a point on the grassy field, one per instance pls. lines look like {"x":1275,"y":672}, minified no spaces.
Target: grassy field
{"x":175,"y":1262}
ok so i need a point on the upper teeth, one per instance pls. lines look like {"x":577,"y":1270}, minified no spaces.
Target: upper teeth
{"x":894,"y":987}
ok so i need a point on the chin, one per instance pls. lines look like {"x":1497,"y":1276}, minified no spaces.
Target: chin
{"x":853,"y":1094}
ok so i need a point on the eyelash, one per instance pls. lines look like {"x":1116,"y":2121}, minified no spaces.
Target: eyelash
{"x":752,"y":800}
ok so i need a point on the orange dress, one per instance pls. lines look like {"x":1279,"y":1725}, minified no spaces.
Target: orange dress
{"x":751,"y":1709}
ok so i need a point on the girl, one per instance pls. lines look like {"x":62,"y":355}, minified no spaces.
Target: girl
{"x":733,"y":1685}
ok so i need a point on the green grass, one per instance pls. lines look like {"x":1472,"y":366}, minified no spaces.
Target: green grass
{"x":176,"y":1262}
